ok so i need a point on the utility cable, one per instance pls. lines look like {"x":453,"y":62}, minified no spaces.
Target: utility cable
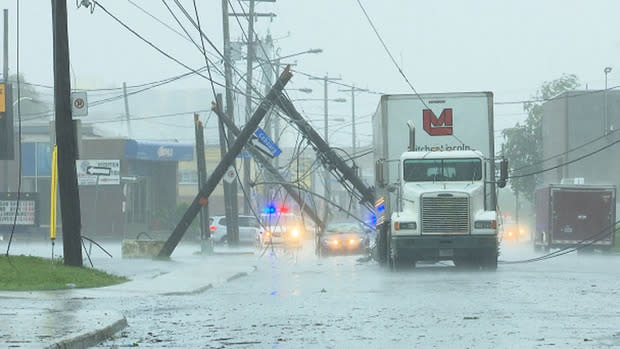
{"x":567,"y":162}
{"x":588,"y":241}
{"x":155,"y":46}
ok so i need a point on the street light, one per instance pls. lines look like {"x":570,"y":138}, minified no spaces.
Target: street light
{"x":607,"y":70}
{"x":303,"y":89}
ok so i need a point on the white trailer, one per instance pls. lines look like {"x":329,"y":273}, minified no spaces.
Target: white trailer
{"x":435,"y":187}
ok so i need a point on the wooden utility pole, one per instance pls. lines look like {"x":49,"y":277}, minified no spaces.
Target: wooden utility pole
{"x":218,"y":173}
{"x":231,"y":207}
{"x":206,"y":244}
{"x":66,"y":139}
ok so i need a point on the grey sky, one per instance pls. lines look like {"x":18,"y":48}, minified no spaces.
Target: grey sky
{"x":508,"y":47}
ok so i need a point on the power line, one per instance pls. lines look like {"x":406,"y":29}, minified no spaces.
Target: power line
{"x":568,"y":162}
{"x":155,"y":46}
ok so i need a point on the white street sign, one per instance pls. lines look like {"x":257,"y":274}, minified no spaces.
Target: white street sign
{"x":79,"y":103}
{"x":230,"y":175}
{"x":98,"y":172}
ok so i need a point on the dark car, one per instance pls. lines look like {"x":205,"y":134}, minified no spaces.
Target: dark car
{"x":344,"y":237}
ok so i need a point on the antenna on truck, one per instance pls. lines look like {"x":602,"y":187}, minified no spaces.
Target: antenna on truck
{"x":411,"y":126}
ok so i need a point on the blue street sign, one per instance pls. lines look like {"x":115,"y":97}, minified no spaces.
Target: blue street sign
{"x":265,"y":140}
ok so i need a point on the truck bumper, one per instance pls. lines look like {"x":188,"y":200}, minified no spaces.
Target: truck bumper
{"x":445,"y":247}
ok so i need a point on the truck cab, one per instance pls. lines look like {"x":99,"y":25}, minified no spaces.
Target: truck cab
{"x":441,"y":213}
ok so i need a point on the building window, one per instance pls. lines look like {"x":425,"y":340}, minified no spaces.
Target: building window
{"x":188,"y":177}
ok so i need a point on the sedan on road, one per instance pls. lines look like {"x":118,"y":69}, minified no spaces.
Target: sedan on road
{"x":344,"y":237}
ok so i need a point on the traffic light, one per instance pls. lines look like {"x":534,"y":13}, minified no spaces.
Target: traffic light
{"x":7,"y":148}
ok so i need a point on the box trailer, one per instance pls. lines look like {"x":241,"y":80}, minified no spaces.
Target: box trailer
{"x":567,"y":215}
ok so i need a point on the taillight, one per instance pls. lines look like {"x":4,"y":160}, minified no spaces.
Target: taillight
{"x":212,"y":228}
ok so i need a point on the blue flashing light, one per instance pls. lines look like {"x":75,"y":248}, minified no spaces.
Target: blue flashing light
{"x":381,"y":207}
{"x":373,"y":220}
{"x":270,"y":209}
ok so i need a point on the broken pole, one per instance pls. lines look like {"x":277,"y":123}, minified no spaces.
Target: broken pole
{"x":201,"y":199}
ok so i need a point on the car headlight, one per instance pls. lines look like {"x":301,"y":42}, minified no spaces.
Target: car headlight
{"x":295,"y":233}
{"x":335,"y":242}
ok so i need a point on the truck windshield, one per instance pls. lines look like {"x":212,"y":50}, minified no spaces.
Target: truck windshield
{"x":434,"y":170}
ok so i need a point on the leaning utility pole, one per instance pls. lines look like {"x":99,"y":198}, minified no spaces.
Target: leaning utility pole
{"x":231,"y":207}
{"x":202,"y":197}
{"x":66,"y":139}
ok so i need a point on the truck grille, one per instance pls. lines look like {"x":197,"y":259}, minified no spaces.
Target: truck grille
{"x":445,"y":215}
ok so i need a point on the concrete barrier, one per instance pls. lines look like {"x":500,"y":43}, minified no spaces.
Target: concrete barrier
{"x":141,"y":248}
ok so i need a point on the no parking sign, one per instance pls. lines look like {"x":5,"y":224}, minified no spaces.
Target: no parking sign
{"x":79,"y":103}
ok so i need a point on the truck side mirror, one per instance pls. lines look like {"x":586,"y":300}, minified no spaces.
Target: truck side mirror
{"x":503,"y":173}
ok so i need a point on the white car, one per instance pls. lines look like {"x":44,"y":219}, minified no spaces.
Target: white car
{"x":249,"y":229}
{"x":282,"y":229}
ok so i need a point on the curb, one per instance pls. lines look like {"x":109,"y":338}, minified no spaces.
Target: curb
{"x":92,"y":338}
{"x":95,"y":337}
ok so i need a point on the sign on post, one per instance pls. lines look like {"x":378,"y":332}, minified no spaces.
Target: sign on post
{"x":98,"y":172}
{"x":26,"y":215}
{"x":265,"y":140}
{"x":79,"y":103}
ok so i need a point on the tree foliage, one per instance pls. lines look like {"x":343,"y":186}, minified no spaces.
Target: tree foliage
{"x":523,"y":146}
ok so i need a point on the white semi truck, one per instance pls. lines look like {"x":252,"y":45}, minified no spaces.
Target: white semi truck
{"x":435,"y":186}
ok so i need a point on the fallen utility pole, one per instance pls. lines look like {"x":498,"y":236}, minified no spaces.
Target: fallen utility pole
{"x":328,"y":157}
{"x":201,"y":199}
{"x":292,"y":190}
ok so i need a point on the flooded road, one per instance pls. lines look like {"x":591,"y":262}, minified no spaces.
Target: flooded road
{"x":300,"y":300}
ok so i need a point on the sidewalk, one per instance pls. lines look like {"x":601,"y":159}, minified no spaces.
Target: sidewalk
{"x":79,"y":318}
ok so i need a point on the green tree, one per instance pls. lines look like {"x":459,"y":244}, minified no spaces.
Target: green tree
{"x":523,"y":147}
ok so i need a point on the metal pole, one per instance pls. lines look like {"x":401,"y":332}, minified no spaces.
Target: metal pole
{"x":606,"y":121}
{"x":353,"y":121}
{"x":66,"y":139}
{"x":126,"y":109}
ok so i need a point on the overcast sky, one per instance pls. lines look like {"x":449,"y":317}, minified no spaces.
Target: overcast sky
{"x":507,"y":47}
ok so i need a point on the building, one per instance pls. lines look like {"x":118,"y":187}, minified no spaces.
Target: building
{"x":136,"y":189}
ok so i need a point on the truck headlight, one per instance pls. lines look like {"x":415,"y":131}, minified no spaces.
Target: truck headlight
{"x":405,"y":226}
{"x":485,"y":224}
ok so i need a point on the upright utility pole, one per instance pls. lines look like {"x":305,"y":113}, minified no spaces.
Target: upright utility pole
{"x":206,"y":245}
{"x":5,"y":70}
{"x":326,"y":79}
{"x":5,"y":75}
{"x":66,"y":139}
{"x":126,"y":109}
{"x":353,"y":89}
{"x":230,"y":189}
{"x":248,"y":97}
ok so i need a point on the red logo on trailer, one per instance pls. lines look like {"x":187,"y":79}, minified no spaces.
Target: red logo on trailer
{"x":434,"y":126}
